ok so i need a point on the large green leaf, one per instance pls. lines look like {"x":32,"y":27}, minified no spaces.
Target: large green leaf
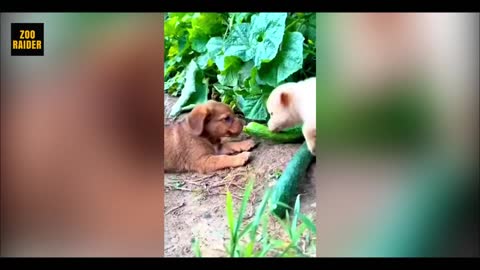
{"x":175,"y":24}
{"x":171,"y":66}
{"x":199,"y":40}
{"x":175,"y":83}
{"x":203,"y":60}
{"x":288,"y":61}
{"x":245,"y":55}
{"x":170,"y":26}
{"x":311,"y":28}
{"x":215,"y":51}
{"x":238,"y":44}
{"x":208,"y":23}
{"x":253,"y":83}
{"x":267,"y":30}
{"x":258,"y":40}
{"x":179,"y":46}
{"x":203,"y":26}
{"x":194,"y":92}
{"x":214,"y":46}
{"x":230,"y":73}
{"x":245,"y":71}
{"x":253,"y":107}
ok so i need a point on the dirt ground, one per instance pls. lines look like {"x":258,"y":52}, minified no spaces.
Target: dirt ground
{"x":195,"y":203}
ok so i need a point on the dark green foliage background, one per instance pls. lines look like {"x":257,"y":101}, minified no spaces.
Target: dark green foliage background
{"x":236,"y":58}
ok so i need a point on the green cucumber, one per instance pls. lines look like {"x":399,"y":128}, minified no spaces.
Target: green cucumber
{"x":291,"y":135}
{"x":286,"y":188}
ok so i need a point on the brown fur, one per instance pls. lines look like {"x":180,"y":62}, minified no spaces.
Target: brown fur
{"x":194,"y":144}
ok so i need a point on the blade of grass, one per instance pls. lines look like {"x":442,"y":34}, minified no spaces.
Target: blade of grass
{"x":301,"y":229}
{"x":282,"y":223}
{"x":288,"y":207}
{"x":196,"y":248}
{"x":234,"y":239}
{"x":296,"y":212}
{"x":245,"y":230}
{"x":261,"y":210}
{"x":285,"y":205}
{"x":249,"y":249}
{"x":260,"y":213}
{"x":279,"y":244}
{"x":286,"y":250}
{"x":265,"y":250}
{"x":246,"y":196}
{"x":287,"y":221}
{"x":293,"y":228}
{"x":308,"y":222}
{"x":239,"y":250}
{"x":265,"y":236}
{"x":230,"y":221}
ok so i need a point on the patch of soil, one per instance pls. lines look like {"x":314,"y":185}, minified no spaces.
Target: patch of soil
{"x":195,"y":203}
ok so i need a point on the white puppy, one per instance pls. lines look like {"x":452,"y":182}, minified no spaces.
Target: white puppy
{"x":292,"y":104}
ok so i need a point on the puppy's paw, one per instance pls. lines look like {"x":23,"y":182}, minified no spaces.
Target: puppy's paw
{"x":244,"y":157}
{"x":248,"y":144}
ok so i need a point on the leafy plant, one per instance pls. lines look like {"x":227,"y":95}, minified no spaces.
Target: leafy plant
{"x":255,"y":239}
{"x":237,"y":58}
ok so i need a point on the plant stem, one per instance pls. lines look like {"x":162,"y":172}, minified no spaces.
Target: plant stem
{"x":293,"y":23}
{"x":229,"y":26}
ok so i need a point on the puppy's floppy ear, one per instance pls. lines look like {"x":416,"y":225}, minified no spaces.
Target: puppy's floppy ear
{"x":284,"y":99}
{"x":196,"y":119}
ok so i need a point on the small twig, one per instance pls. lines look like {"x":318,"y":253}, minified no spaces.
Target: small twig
{"x":217,"y":185}
{"x":252,"y":213}
{"x":293,"y":23}
{"x":203,"y":178}
{"x":253,"y":198}
{"x":235,"y":185}
{"x":193,"y":183}
{"x":229,"y":27}
{"x":175,"y":208}
{"x":185,"y":189}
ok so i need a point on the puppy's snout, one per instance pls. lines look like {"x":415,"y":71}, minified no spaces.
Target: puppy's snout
{"x":237,"y":126}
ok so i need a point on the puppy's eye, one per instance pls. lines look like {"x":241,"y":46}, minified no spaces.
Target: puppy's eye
{"x":228,"y":119}
{"x":271,"y":113}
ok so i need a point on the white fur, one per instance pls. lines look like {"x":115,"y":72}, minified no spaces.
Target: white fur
{"x":300,"y":110}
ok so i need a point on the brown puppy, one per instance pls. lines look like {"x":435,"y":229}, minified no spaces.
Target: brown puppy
{"x":194,"y":144}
